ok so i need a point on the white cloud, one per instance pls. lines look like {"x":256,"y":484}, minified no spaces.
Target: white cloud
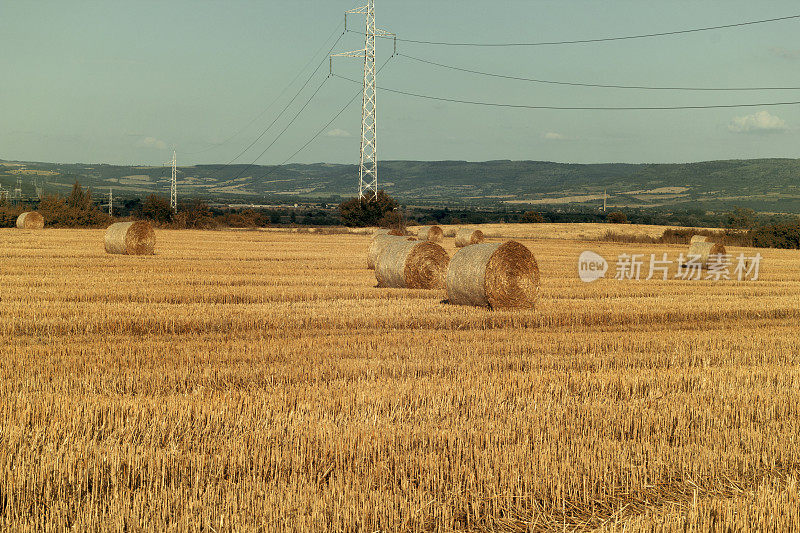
{"x":760,"y":122}
{"x":152,"y":142}
{"x":338,"y":133}
{"x":785,"y":53}
{"x":553,"y":136}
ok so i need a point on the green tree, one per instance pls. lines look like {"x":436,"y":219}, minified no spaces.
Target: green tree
{"x":197,"y":214}
{"x":532,"y":217}
{"x":358,"y":212}
{"x":157,"y":208}
{"x":79,"y":199}
{"x":617,"y":217}
{"x":741,"y":218}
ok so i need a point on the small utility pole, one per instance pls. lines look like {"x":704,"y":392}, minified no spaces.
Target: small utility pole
{"x":110,"y":202}
{"x":605,"y":198}
{"x":173,"y":193}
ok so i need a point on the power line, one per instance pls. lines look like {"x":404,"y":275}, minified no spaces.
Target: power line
{"x":245,"y":169}
{"x":600,"y":40}
{"x":337,"y":115}
{"x":576,"y":108}
{"x":321,"y":130}
{"x":286,"y":108}
{"x":275,"y":101}
{"x":599,"y":85}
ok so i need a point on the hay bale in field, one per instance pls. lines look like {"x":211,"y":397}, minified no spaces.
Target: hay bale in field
{"x":130,"y":238}
{"x":430,"y":234}
{"x":30,"y":220}
{"x":493,"y":275}
{"x":467,"y":236}
{"x":699,"y":238}
{"x":702,"y":252}
{"x":380,"y":231}
{"x":377,"y":245}
{"x":411,"y":265}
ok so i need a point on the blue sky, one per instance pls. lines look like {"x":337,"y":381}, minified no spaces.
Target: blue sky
{"x":122,"y":82}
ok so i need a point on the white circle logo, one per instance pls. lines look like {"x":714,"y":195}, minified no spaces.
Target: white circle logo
{"x":591,"y":266}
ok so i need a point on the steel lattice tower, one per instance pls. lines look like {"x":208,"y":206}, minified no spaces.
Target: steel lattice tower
{"x":173,"y":191}
{"x":368,"y":170}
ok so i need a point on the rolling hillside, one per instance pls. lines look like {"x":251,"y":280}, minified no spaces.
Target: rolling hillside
{"x":771,"y":185}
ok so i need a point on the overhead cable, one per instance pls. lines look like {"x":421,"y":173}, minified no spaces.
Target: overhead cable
{"x":597,"y":40}
{"x":275,"y":101}
{"x":598,"y":85}
{"x":574,"y":108}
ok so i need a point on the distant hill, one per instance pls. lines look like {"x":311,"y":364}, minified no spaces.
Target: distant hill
{"x":771,"y":185}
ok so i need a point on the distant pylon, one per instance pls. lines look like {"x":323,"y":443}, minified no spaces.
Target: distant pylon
{"x":110,"y":201}
{"x":173,"y":192}
{"x":368,"y":169}
{"x":605,"y":198}
{"x":18,"y":189}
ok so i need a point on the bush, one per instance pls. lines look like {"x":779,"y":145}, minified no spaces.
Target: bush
{"x":9,"y":214}
{"x":358,"y":212}
{"x":157,"y":209}
{"x":617,"y":217}
{"x":532,"y":217}
{"x":75,"y":211}
{"x":782,"y":235}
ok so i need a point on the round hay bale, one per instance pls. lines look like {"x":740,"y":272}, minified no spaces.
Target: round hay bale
{"x":704,"y":250}
{"x":430,"y":234}
{"x":377,"y":245}
{"x":130,"y":238}
{"x":493,"y":275}
{"x":699,"y":238}
{"x":412,"y":265}
{"x":466,"y":236}
{"x":30,"y":220}
{"x":380,"y":231}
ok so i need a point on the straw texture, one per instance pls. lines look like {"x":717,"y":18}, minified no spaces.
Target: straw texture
{"x":377,"y":245}
{"x":130,"y":238}
{"x":430,"y":233}
{"x":699,"y":238}
{"x":30,"y":220}
{"x":704,"y":250}
{"x":467,"y":236}
{"x":493,"y":275}
{"x":412,"y":265}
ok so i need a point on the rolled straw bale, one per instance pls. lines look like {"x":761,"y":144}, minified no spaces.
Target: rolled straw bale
{"x":704,"y":250}
{"x":380,"y":231}
{"x":412,"y":265}
{"x":130,"y":238}
{"x":493,"y":275}
{"x":430,"y":233}
{"x":467,"y":236}
{"x":30,"y":220}
{"x":377,"y":245}
{"x":700,"y":238}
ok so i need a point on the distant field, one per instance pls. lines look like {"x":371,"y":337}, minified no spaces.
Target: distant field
{"x":250,"y":380}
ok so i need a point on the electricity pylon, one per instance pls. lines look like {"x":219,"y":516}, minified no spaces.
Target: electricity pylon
{"x":18,"y":190}
{"x":38,"y":186}
{"x":173,"y":191}
{"x":110,"y":201}
{"x":368,"y":170}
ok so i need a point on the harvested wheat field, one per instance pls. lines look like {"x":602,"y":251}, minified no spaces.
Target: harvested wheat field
{"x":249,"y":380}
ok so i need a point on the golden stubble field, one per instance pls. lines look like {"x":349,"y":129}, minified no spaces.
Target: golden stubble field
{"x":258,"y":381}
